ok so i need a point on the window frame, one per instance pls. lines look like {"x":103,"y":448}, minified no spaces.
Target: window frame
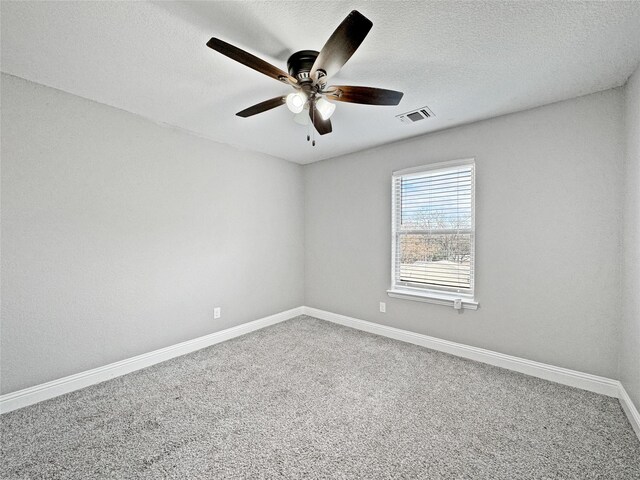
{"x":432,"y":294}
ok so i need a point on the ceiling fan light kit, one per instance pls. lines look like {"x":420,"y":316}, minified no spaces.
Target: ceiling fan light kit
{"x":325,"y":108}
{"x":308,"y":73}
{"x":301,"y":118}
{"x":296,"y":101}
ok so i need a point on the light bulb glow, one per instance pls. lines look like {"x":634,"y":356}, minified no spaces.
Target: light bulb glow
{"x":296,"y":101}
{"x":325,"y":108}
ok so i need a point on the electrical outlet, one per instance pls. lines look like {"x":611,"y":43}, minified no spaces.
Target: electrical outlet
{"x":216,"y":313}
{"x":383,"y":307}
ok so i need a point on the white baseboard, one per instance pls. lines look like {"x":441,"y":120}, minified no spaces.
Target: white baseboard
{"x":585,"y":381}
{"x":44,"y":391}
{"x":630,"y":409}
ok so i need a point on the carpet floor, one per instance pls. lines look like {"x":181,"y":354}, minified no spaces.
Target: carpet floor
{"x":310,"y":399}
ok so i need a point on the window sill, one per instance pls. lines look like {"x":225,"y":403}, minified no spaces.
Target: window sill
{"x":433,"y":297}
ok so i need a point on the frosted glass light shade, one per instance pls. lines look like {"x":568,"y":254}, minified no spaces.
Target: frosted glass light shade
{"x":302,"y":118}
{"x":325,"y":108}
{"x":296,"y":101}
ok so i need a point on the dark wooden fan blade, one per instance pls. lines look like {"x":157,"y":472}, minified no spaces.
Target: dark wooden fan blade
{"x":249,"y":60}
{"x":262,"y":107}
{"x":366,"y":95}
{"x":342,"y":43}
{"x":322,"y":126}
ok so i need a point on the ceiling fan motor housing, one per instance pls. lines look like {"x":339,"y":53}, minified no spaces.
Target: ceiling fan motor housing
{"x":300,"y":64}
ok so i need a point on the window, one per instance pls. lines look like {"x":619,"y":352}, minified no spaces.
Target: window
{"x":433,"y":233}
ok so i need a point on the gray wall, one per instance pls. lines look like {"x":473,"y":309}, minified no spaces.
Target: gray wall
{"x":119,"y":236}
{"x":548,"y":212}
{"x":630,"y":352}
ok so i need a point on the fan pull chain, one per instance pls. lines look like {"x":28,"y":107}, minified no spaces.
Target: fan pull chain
{"x":313,"y":120}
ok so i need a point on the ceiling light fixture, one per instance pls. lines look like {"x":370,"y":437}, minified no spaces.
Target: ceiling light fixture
{"x":296,"y":101}
{"x":325,"y":108}
{"x":302,"y":118}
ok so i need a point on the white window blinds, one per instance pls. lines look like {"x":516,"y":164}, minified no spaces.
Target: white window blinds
{"x":433,"y":228}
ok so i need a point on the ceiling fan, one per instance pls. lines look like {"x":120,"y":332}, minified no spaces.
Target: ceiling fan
{"x":308,"y":74}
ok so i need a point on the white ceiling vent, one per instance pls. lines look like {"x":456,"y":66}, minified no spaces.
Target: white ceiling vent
{"x":416,"y":115}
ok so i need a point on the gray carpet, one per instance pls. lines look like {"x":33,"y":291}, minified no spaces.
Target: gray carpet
{"x":310,"y":399}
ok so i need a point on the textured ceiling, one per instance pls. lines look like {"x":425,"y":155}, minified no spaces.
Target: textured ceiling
{"x":466,"y":60}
